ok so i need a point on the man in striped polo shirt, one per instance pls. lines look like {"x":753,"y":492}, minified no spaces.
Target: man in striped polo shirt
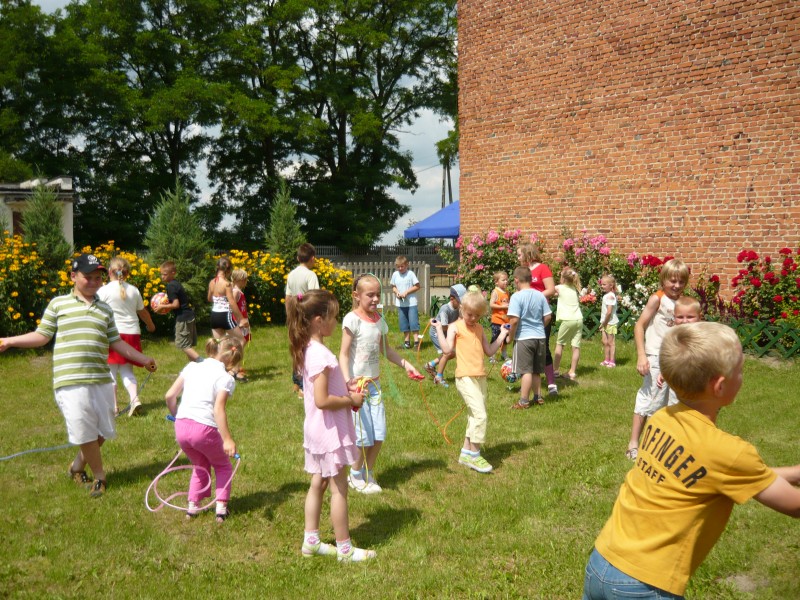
{"x":84,"y":329}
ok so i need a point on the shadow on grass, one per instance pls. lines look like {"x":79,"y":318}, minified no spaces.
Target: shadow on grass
{"x":496,"y":455}
{"x":394,"y":476}
{"x":383,"y":524}
{"x":269,"y":501}
{"x":264,"y":373}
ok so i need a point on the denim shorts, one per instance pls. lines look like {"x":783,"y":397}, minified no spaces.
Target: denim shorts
{"x":370,"y":420}
{"x":603,"y":581}
{"x":409,"y":318}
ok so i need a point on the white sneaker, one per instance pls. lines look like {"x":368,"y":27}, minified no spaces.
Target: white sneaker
{"x":135,"y":407}
{"x":363,"y":487}
{"x":355,"y":555}
{"x":552,"y":390}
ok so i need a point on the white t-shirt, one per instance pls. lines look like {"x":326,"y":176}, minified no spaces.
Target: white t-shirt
{"x":124,"y":309}
{"x":300,"y":280}
{"x":609,"y":299}
{"x":403,"y":283}
{"x":201,"y":384}
{"x":365,"y":348}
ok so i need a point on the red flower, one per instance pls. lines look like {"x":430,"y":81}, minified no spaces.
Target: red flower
{"x":735,"y":281}
{"x":769,"y":276}
{"x":797,"y":281}
{"x":784,"y":315}
{"x":741,"y":256}
{"x":793,"y":298}
{"x":714,"y":279}
{"x":784,"y":272}
{"x":796,"y":312}
{"x":737,"y":300}
{"x":784,"y":251}
{"x":668,"y":258}
{"x":777,"y":298}
{"x":767,"y":259}
{"x":772,"y":320}
{"x":755,"y":313}
{"x":756,"y":282}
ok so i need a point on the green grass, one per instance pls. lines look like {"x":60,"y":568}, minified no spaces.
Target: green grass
{"x":440,"y":530}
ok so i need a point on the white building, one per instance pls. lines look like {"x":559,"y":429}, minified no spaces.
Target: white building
{"x":14,"y":197}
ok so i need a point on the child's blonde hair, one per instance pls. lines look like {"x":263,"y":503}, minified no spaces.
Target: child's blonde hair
{"x":689,"y":303}
{"x":238,"y":276}
{"x":400,"y":260}
{"x":498,"y":274}
{"x":359,"y":283}
{"x":475,"y":303}
{"x":692,"y":356}
{"x":121,"y":269}
{"x":299,"y":315}
{"x":570,"y":277}
{"x":228,"y":350}
{"x":674,"y":268}
{"x":609,"y":277}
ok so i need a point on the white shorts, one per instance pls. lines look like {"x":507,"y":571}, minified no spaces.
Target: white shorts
{"x":650,"y":397}
{"x":88,"y":411}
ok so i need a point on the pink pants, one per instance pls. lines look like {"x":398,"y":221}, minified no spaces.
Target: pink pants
{"x":203,"y":445}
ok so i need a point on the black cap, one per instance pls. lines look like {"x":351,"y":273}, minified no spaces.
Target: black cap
{"x":86,"y":263}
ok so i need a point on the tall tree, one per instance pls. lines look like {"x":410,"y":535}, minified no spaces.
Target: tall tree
{"x":369,"y":66}
{"x":148,"y":94}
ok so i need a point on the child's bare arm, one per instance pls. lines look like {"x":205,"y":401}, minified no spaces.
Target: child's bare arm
{"x":650,"y":309}
{"x":491,"y":350}
{"x":147,"y":319}
{"x":547,"y":318}
{"x":26,"y":340}
{"x":393,"y":357}
{"x":514,"y":322}
{"x":780,"y":495}
{"x":326,"y":401}
{"x":221,"y":417}
{"x":171,"y":397}
{"x":344,"y":353}
{"x":607,"y":316}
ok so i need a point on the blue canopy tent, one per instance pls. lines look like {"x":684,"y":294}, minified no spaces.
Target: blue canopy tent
{"x":445,"y":223}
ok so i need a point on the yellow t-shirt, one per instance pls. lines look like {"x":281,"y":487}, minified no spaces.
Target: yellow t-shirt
{"x":469,"y":350}
{"x":678,"y":497}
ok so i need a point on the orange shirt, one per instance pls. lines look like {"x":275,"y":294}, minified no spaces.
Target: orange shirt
{"x":469,"y":350}
{"x":500,"y":315}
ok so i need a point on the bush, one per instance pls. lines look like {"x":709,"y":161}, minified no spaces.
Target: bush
{"x":41,"y":225}
{"x":767,"y":289}
{"x":284,"y":235}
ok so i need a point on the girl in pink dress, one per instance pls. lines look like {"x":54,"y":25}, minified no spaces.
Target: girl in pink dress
{"x":328,"y":431}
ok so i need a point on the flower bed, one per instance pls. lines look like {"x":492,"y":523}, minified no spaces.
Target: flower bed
{"x":26,"y":287}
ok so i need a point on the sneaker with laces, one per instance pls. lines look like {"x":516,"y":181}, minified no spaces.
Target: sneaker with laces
{"x":552,"y":390}
{"x":318,"y":549}
{"x":358,"y":484}
{"x":430,"y":367}
{"x":477,"y":463}
{"x":355,"y":555}
{"x":79,"y":477}
{"x":135,"y":408}
{"x":98,"y":488}
{"x":611,"y":365}
{"x":439,"y":380}
{"x":407,"y":345}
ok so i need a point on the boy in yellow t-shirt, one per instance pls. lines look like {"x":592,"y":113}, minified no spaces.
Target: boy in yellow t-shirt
{"x":676,"y":501}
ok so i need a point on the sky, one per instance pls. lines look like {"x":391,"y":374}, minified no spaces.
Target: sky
{"x":419,"y":139}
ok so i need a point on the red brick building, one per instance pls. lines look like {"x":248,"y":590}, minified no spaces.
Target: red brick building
{"x":670,"y":126}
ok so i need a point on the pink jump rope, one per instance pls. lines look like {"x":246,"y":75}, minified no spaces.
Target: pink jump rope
{"x":162,"y":502}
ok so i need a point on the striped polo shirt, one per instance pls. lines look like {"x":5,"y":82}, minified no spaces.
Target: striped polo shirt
{"x":83,"y":333}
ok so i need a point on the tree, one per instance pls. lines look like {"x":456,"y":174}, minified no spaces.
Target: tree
{"x":175,"y":234}
{"x":41,"y":225}
{"x":284,"y":234}
{"x":149,"y":92}
{"x":368,"y":68}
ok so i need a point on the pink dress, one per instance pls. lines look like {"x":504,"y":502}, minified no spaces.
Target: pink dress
{"x":328,"y":435}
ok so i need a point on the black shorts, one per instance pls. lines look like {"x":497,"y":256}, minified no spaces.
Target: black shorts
{"x":222,"y":320}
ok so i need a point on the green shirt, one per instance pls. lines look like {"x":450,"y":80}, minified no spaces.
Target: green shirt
{"x":83,"y":333}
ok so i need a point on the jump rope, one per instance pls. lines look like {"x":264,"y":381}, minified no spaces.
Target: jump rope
{"x":162,"y":502}
{"x":65,"y":446}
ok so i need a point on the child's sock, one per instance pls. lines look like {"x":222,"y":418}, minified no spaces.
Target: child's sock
{"x":357,"y":473}
{"x":346,"y":552}
{"x":471,"y":453}
{"x":222,"y":511}
{"x":312,"y":546}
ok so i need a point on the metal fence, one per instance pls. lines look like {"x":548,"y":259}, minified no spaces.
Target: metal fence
{"x":383,"y":271}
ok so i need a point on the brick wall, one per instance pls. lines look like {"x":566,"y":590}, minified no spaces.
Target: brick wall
{"x":670,"y":126}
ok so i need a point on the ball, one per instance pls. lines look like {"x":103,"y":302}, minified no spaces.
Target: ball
{"x":506,"y":373}
{"x":157,"y":300}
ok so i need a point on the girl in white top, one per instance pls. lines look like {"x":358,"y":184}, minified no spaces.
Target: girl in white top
{"x":609,"y":320}
{"x":128,"y":306}
{"x":363,"y":332}
{"x":568,"y":312}
{"x":201,"y":421}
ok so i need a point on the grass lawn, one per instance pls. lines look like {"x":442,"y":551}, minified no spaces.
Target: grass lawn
{"x":440,"y":530}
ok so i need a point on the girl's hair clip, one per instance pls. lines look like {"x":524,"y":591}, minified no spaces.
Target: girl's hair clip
{"x":300,"y":296}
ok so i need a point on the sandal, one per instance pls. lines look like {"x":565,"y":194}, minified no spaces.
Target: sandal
{"x":520,"y":405}
{"x":632,"y":453}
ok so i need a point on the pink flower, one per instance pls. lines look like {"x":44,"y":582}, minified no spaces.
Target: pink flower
{"x":479,"y":267}
{"x":605,"y":250}
{"x":459,"y":242}
{"x":471,"y":248}
{"x":580,"y":251}
{"x":502,"y":248}
{"x":479,"y":254}
{"x":568,"y":243}
{"x":632,"y":258}
{"x":492,"y":236}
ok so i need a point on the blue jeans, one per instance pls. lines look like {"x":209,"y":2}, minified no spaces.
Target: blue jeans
{"x":408,"y":317}
{"x":604,"y":581}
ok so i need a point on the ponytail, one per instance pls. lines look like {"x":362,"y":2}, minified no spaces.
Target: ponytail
{"x":300,"y":312}
{"x":229,"y":350}
{"x":121,"y":268}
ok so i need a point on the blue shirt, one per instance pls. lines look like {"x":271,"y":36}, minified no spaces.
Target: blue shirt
{"x":531,"y":307}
